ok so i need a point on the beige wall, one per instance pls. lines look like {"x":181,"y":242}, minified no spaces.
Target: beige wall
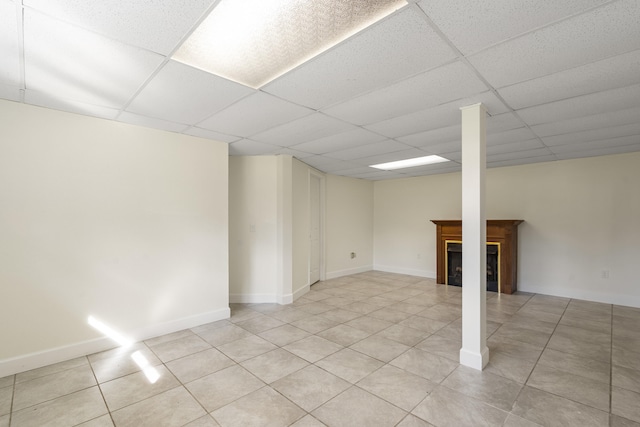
{"x":253,"y":228}
{"x":101,"y":218}
{"x":301,"y":228}
{"x":349,"y":225}
{"x":582,"y":221}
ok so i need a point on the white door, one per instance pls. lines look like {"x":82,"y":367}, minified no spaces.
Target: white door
{"x":314,"y":236}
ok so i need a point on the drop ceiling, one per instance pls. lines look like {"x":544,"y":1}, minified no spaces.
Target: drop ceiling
{"x":560,"y":80}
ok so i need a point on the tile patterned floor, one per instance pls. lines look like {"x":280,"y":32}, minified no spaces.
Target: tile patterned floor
{"x":371,"y":349}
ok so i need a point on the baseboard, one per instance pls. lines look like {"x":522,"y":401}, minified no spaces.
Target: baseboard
{"x":39,"y":359}
{"x":409,"y":271}
{"x":606,"y":298}
{"x":303,"y":290}
{"x":346,"y":272}
{"x":253,"y":298}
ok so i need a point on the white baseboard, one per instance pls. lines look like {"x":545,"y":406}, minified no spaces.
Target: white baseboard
{"x":606,"y":298}
{"x":303,"y":290}
{"x":346,"y":272}
{"x":60,"y":354}
{"x":253,"y":298}
{"x":401,"y":270}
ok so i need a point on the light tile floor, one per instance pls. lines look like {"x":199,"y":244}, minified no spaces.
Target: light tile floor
{"x":371,"y":349}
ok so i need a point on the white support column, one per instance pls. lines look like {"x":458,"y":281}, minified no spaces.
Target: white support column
{"x":474,"y":352}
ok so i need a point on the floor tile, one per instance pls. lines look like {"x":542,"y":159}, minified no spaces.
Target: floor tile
{"x":274,"y":365}
{"x":51,"y":369}
{"x":4,"y":420}
{"x":339,"y":315}
{"x":426,"y":365}
{"x":198,"y":365}
{"x":290,"y":315}
{"x":489,"y":388}
{"x":526,"y":335}
{"x":241,"y":312}
{"x":102,"y":421}
{"x":360,"y":307}
{"x":397,"y":386}
{"x":246,"y":348}
{"x":356,"y":407}
{"x":625,"y":403}
{"x":423,"y":324}
{"x":343,"y":335}
{"x":369,"y":324}
{"x":121,"y":363}
{"x":7,"y":381}
{"x":310,"y":387}
{"x":626,"y":378}
{"x":174,"y":407}
{"x":6,"y":395}
{"x":49,"y":387}
{"x":185,"y":333}
{"x":349,"y":365}
{"x":441,"y":346}
{"x":258,"y":324}
{"x":136,"y":387}
{"x":589,"y":368}
{"x":283,"y":335}
{"x":181,"y":347}
{"x":207,"y":327}
{"x":515,"y":421}
{"x":578,"y":347}
{"x":413,"y":421}
{"x":628,"y":359}
{"x":206,"y":421}
{"x":67,"y":410}
{"x":550,"y":410}
{"x":380,"y":348}
{"x":512,"y":368}
{"x":445,"y":407}
{"x":442,"y":312}
{"x":617,"y":421}
{"x":314,"y":324}
{"x":403,"y":334}
{"x":223,"y":387}
{"x":513,"y":348}
{"x":389,"y":315}
{"x":224,"y":334}
{"x":262,"y":408}
{"x":313,"y":348}
{"x":308,"y":421}
{"x":316,"y":307}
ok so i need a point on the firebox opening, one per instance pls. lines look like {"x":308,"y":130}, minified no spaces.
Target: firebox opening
{"x":454,"y":264}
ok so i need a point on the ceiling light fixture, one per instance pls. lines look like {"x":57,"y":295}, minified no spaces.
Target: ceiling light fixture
{"x":252,"y":42}
{"x":409,"y":163}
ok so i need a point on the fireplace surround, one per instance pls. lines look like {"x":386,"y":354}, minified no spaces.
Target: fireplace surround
{"x":502,"y":253}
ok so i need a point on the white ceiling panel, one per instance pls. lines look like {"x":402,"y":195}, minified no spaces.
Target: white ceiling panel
{"x":513,"y":147}
{"x":431,"y":137}
{"x":599,"y":152}
{"x":584,"y":123}
{"x":435,"y":117}
{"x":136,"y":119}
{"x":599,"y":145}
{"x":393,"y":156}
{"x":368,"y":150}
{"x":621,"y":70}
{"x":509,"y":136}
{"x":71,"y":106}
{"x":247,"y":147}
{"x":306,"y":129}
{"x":398,"y":47}
{"x":536,"y":152}
{"x":439,"y":86}
{"x":9,"y":46}
{"x":67,"y":62}
{"x":433,"y":171}
{"x":209,"y":134}
{"x":340,"y":141}
{"x":522,"y":161}
{"x":472,"y":26}
{"x":253,"y":114}
{"x":325,"y":163}
{"x":444,"y":148}
{"x":585,"y":105}
{"x":503,"y":122}
{"x":295,"y":153}
{"x":185,"y":94}
{"x":593,"y":135}
{"x":606,"y":31}
{"x":157,"y":25}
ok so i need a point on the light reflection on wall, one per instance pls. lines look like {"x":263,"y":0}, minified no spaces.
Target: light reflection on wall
{"x":124,"y":342}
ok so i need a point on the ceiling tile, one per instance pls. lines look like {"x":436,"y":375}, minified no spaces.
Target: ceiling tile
{"x":513,"y":147}
{"x":253,"y":114}
{"x":435,"y":117}
{"x":454,"y":167}
{"x":443,"y":148}
{"x":431,"y":137}
{"x":295,"y":153}
{"x":186,"y":95}
{"x":522,"y":161}
{"x":368,"y":150}
{"x":472,"y":26}
{"x":157,"y":25}
{"x":136,"y":119}
{"x":566,"y":44}
{"x":585,"y":105}
{"x":395,"y":48}
{"x":594,"y":135}
{"x":209,"y":134}
{"x":307,"y":128}
{"x":439,"y":86}
{"x":509,"y":136}
{"x":9,"y":50}
{"x":584,"y":123}
{"x":599,"y":151}
{"x":502,"y":122}
{"x":324,"y":163}
{"x":67,"y":62}
{"x":621,"y":70}
{"x":515,"y":155}
{"x":44,"y":100}
{"x":392,"y":156}
{"x":340,"y":141}
{"x":247,"y":147}
{"x":597,"y":145}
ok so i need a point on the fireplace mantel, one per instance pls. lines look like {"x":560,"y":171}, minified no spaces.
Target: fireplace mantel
{"x":503,"y":231}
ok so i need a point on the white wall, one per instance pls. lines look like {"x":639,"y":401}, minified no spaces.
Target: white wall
{"x":349,"y":225}
{"x":101,"y":218}
{"x":582,"y":217}
{"x":253,"y":222}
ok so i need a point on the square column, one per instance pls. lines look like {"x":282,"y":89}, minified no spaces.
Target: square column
{"x":474,"y":352}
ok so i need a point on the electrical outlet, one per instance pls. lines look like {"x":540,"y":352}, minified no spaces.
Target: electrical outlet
{"x":353,"y":255}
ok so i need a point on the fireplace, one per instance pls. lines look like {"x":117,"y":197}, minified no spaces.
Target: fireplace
{"x":453,"y":264}
{"x":502,"y":253}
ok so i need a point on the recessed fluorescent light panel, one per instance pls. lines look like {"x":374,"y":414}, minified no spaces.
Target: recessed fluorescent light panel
{"x":409,"y":163}
{"x":254,"y":41}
